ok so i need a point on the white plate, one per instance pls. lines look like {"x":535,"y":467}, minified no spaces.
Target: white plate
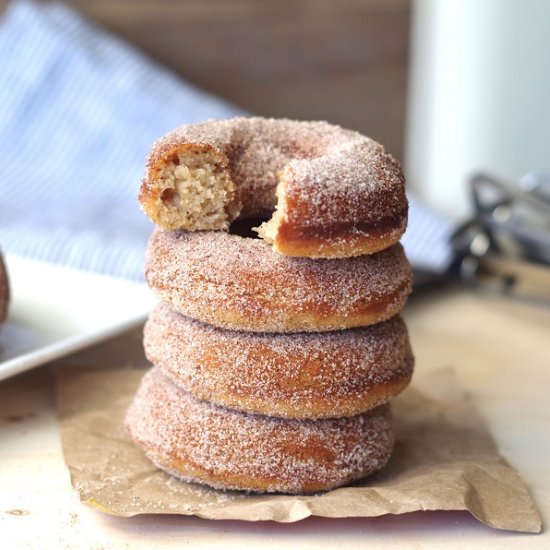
{"x":55,"y":310}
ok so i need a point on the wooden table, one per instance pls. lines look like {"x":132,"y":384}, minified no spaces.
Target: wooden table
{"x":502,"y":354}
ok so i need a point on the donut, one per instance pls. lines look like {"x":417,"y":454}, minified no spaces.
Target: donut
{"x":200,"y":442}
{"x":304,"y":375}
{"x":4,"y":290}
{"x":331,"y":192}
{"x":238,"y":283}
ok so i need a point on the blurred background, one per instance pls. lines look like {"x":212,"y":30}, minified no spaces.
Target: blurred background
{"x":342,"y":61}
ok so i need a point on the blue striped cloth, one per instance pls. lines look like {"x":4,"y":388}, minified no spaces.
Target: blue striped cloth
{"x":79,"y":110}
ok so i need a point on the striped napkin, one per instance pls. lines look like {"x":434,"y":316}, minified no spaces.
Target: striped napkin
{"x":79,"y":110}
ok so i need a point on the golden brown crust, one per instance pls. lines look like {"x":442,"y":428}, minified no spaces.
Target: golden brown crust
{"x":305,"y":375}
{"x":233,"y":282}
{"x":4,"y":291}
{"x":226,"y":449}
{"x":339,"y":240}
{"x":343,"y":194}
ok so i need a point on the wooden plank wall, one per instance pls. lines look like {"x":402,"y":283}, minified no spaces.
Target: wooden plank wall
{"x":340,"y":60}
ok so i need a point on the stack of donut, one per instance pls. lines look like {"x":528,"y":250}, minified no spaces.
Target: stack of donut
{"x":274,"y":357}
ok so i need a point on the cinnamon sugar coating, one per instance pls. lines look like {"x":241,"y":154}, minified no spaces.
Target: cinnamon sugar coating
{"x":4,"y":291}
{"x":233,"y":282}
{"x":337,"y":193}
{"x":303,"y":375}
{"x":201,"y":442}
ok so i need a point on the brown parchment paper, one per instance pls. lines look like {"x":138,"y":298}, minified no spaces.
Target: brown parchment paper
{"x":444,"y":459}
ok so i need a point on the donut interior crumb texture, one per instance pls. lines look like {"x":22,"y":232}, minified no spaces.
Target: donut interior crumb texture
{"x":195,"y":192}
{"x":268,"y":230}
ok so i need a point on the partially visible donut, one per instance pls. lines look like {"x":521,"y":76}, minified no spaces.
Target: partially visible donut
{"x":305,"y":375}
{"x":233,"y":282}
{"x":4,"y":291}
{"x":197,"y":441}
{"x":336,"y":192}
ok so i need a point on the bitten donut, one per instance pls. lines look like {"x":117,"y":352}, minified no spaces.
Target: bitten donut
{"x":333,"y":193}
{"x":4,"y":291}
{"x":197,"y":441}
{"x":234,"y":282}
{"x":304,"y":375}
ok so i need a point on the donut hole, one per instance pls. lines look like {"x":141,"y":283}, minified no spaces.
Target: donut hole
{"x":195,"y":192}
{"x":246,"y":228}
